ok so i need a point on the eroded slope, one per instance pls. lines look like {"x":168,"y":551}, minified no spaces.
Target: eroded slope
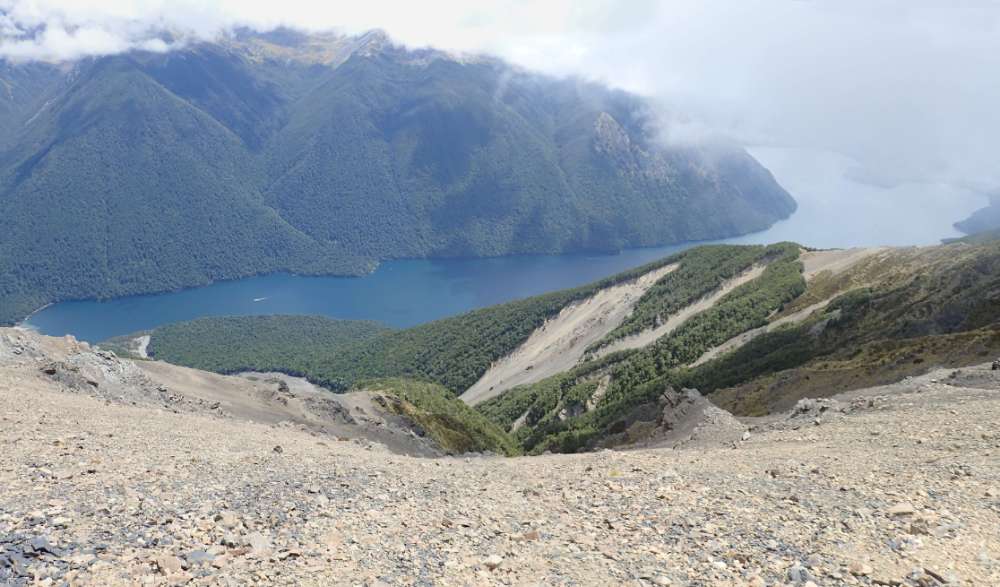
{"x":562,"y":341}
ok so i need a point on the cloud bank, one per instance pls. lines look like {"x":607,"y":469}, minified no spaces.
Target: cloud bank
{"x":907,"y":89}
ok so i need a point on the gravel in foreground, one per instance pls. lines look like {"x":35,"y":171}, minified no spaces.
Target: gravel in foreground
{"x":902,"y":489}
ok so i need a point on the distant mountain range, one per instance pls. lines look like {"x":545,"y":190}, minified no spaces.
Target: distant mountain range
{"x":325,"y":154}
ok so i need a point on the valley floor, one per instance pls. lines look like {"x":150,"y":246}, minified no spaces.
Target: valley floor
{"x":898,"y":485}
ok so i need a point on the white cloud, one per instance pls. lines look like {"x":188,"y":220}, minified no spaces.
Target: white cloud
{"x":56,"y":43}
{"x":907,"y":88}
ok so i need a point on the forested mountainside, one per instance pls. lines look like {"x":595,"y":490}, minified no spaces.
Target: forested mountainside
{"x":755,"y":328}
{"x":325,"y":154}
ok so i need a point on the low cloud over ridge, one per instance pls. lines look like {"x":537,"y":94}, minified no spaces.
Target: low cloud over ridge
{"x":907,"y":88}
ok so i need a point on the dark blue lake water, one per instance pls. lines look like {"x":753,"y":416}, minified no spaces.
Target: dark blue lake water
{"x":399,"y":293}
{"x":833,"y":212}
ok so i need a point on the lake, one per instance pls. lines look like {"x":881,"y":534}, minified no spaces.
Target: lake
{"x":399,"y":293}
{"x":833,"y":212}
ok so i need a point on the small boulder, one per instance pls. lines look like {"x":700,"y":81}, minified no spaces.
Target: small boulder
{"x":227,"y":520}
{"x":168,"y":564}
{"x":198,"y":557}
{"x":901,"y":509}
{"x":259,"y":544}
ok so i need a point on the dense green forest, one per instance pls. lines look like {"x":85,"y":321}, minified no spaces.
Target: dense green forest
{"x":291,"y":344}
{"x":453,"y":352}
{"x":889,"y":316}
{"x":150,"y":172}
{"x":703,"y":271}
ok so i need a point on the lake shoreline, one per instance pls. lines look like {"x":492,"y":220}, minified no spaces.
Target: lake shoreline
{"x":378,"y":264}
{"x":23,"y":323}
{"x":26,"y":322}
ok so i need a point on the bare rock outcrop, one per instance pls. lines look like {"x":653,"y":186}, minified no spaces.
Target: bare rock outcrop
{"x":678,"y":419}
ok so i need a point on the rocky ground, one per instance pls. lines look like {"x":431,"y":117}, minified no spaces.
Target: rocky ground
{"x":268,"y":398}
{"x":898,"y":485}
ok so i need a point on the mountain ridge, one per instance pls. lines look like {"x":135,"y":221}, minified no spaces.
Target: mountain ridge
{"x":755,"y":328}
{"x":326,"y":155}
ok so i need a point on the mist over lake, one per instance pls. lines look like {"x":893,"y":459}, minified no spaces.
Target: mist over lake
{"x":838,"y":208}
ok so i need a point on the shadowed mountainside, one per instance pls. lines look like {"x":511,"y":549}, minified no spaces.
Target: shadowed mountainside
{"x":325,"y":154}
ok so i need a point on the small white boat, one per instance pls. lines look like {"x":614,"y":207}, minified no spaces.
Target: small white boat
{"x":259,"y":299}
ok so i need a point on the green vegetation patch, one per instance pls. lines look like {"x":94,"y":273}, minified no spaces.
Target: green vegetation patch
{"x":701,"y":271}
{"x":913,"y":320}
{"x":231,"y":344}
{"x":871,"y":364}
{"x":453,"y":425}
{"x":455,"y":352}
{"x":746,"y":307}
{"x":125,"y":345}
{"x":637,"y":378}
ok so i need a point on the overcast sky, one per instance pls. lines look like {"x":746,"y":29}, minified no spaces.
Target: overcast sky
{"x":902,"y":91}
